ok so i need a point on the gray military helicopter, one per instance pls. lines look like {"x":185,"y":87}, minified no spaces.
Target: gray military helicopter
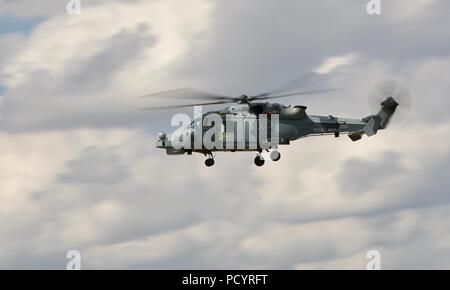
{"x":293,"y":121}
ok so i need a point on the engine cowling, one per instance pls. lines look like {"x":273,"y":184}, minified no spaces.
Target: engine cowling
{"x":293,"y":113}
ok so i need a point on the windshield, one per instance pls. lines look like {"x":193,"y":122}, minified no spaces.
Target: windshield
{"x":197,"y":123}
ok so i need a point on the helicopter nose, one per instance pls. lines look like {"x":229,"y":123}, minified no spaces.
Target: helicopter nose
{"x":162,"y":136}
{"x":161,"y":142}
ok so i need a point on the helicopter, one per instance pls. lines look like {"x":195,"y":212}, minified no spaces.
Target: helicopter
{"x":292,"y":122}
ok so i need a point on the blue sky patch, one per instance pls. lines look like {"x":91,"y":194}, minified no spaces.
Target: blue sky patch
{"x":14,"y":24}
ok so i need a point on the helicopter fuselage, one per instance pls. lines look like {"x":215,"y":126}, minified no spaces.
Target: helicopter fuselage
{"x":292,"y":121}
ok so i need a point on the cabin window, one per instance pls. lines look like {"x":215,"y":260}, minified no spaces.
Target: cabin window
{"x":276,"y":109}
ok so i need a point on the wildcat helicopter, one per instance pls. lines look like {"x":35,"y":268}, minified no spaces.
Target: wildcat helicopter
{"x":292,"y":121}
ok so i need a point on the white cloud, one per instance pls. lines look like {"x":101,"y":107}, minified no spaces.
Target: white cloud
{"x":403,"y":10}
{"x":80,"y":183}
{"x":332,"y":63}
{"x":64,"y":40}
{"x":293,"y":214}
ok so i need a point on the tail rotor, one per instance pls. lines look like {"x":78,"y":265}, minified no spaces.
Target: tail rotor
{"x":397,"y":93}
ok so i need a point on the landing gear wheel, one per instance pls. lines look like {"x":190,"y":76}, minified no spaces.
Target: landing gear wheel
{"x":209,"y":162}
{"x":275,"y":155}
{"x":259,"y":161}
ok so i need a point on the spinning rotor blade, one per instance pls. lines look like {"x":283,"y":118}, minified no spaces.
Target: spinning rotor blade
{"x":290,"y":94}
{"x":188,"y":93}
{"x":394,"y":89}
{"x":185,"y":106}
{"x":306,"y":80}
{"x":215,"y":99}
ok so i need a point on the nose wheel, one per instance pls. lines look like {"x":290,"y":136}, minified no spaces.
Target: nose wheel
{"x":210,"y":161}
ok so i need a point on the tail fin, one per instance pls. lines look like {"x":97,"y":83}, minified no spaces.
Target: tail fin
{"x":378,"y":121}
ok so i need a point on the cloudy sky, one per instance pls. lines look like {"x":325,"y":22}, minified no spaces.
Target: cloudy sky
{"x":78,"y":167}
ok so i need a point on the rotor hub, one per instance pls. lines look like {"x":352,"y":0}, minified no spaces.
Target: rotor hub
{"x":243,"y":99}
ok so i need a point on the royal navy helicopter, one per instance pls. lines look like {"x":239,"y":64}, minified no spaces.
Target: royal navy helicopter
{"x":293,"y":120}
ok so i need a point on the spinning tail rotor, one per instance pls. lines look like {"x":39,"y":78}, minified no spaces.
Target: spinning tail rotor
{"x":393,"y":98}
{"x":396,"y":92}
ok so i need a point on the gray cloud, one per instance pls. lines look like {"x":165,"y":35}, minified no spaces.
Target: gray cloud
{"x":372,"y":173}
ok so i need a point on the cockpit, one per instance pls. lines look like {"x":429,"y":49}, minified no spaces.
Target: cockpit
{"x":264,"y":108}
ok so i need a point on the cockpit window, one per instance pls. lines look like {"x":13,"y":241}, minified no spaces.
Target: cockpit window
{"x":198,"y":124}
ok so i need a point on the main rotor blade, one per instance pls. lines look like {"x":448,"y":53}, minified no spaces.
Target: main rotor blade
{"x":184,"y":106}
{"x":291,"y":94}
{"x":302,"y":82}
{"x":188,"y":93}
